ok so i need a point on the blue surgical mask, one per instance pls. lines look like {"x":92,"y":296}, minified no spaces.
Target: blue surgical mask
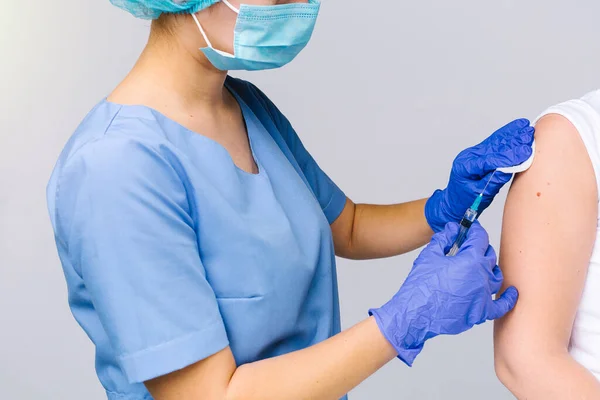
{"x":265,"y":37}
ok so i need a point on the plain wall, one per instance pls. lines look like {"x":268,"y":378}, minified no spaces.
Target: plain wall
{"x":385,"y":96}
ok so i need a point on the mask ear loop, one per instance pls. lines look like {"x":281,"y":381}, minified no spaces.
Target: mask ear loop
{"x":231,"y":7}
{"x":208,"y":43}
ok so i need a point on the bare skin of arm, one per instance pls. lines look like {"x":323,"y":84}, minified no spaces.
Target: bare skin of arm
{"x":365,"y":231}
{"x":325,"y":371}
{"x":548,"y":234}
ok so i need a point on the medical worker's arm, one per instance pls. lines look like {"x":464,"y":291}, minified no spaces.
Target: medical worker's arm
{"x":547,"y":238}
{"x":442,"y":295}
{"x":367,"y":231}
{"x":325,"y":371}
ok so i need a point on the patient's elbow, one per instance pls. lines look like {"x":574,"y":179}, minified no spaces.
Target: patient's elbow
{"x":509,"y":368}
{"x":520,"y":366}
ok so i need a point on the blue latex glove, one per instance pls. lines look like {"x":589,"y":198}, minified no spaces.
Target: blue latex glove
{"x":445,"y":295}
{"x":471,"y":170}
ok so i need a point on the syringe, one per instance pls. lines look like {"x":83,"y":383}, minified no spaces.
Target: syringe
{"x":465,"y":223}
{"x":467,"y":220}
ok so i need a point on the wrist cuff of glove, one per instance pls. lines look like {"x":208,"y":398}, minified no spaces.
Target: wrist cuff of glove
{"x":434,"y":213}
{"x":391,"y":334}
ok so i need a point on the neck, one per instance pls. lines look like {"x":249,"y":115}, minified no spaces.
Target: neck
{"x":168,"y":73}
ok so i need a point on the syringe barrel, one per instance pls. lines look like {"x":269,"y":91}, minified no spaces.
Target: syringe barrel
{"x":470,"y":215}
{"x":460,"y":239}
{"x":465,"y":223}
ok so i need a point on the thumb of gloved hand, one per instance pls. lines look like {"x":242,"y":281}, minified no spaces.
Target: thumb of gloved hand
{"x":505,"y":303}
{"x":443,"y":240}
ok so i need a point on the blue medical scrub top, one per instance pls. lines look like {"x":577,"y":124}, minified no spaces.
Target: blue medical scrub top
{"x":171,"y":252}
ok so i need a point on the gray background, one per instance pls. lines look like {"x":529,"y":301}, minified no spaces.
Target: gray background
{"x":385,"y":96}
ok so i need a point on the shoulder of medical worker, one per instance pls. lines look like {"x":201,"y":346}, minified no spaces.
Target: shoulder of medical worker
{"x":119,"y":161}
{"x":115,"y":173}
{"x":113,"y":136}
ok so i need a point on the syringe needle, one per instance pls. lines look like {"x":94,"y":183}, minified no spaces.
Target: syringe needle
{"x":488,"y":183}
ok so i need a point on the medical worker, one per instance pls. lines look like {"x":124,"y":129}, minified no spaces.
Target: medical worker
{"x":198,"y":236}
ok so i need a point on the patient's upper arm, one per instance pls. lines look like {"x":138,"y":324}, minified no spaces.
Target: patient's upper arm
{"x":548,"y":233}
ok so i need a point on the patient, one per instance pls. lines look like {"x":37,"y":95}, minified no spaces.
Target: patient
{"x":549,"y":346}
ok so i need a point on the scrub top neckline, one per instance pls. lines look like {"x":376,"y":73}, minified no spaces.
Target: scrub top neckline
{"x":247,"y":123}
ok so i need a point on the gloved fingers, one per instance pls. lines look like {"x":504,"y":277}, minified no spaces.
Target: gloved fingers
{"x":496,"y":181}
{"x":504,"y":140}
{"x":505,"y":148}
{"x":475,"y":166}
{"x":443,"y":240}
{"x":501,"y":306}
{"x":515,"y":125}
{"x":519,"y":130}
{"x":496,"y":279}
{"x":508,"y":157}
{"x":490,"y":253}
{"x":509,"y":131}
{"x":526,"y":135}
{"x":477,"y":241}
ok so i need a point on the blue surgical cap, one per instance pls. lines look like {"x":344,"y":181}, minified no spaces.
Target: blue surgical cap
{"x":151,"y":9}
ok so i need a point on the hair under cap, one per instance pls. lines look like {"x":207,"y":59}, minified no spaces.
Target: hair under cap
{"x":152,"y":9}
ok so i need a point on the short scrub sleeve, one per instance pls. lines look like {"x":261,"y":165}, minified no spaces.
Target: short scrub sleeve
{"x":331,"y":198}
{"x":125,"y":219}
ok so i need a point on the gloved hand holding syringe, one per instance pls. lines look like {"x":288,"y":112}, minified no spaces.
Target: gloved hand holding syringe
{"x":467,"y":220}
{"x":465,"y":223}
{"x":472,"y":212}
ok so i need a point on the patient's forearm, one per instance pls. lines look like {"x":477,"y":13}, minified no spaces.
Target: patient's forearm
{"x":546,"y":377}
